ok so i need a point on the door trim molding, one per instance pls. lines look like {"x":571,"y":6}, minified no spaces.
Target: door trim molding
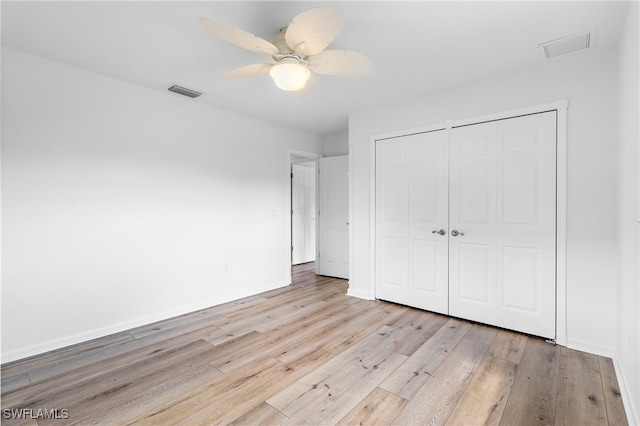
{"x":560,"y":106}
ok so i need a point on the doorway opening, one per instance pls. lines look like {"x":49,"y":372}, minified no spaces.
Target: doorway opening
{"x":303,"y":212}
{"x":303,"y":174}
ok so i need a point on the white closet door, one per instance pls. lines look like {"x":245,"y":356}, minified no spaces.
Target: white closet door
{"x":333,"y":218}
{"x":411,"y":203}
{"x":503,"y":205}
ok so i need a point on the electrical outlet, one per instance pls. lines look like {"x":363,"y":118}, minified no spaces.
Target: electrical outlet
{"x":226,"y":267}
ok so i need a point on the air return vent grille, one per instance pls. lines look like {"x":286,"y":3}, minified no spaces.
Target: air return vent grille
{"x":568,"y":44}
{"x":184,"y":91}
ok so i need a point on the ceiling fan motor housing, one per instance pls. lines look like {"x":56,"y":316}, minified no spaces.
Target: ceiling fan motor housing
{"x":285,"y":53}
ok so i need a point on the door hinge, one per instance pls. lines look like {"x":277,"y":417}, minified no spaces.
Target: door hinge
{"x":292,"y":175}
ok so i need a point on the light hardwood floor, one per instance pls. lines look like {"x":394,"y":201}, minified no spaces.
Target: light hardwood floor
{"x":309,"y":354}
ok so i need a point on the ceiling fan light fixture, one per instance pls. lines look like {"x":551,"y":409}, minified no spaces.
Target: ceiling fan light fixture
{"x":299,"y":48}
{"x":290,"y":76}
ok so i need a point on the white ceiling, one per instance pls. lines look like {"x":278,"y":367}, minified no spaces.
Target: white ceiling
{"x":418,"y":47}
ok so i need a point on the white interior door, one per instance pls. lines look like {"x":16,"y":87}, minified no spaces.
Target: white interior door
{"x":303,"y":212}
{"x":333,"y":217}
{"x":412,"y":220}
{"x":503,"y":208}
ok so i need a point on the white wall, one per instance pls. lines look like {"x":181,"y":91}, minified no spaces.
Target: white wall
{"x":122,"y":205}
{"x":628,"y":313}
{"x":588,"y":81}
{"x":335,"y":145}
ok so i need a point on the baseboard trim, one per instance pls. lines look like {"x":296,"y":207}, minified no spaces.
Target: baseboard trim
{"x":633,"y":417}
{"x":358,"y":293}
{"x":51,"y":345}
{"x":593,"y":348}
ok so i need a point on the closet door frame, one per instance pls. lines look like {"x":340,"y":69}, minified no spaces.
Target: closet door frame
{"x":560,"y":107}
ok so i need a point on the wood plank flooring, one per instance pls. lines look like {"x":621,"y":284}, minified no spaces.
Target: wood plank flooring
{"x":308,"y":354}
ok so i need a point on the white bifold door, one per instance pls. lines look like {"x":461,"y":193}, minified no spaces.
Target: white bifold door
{"x":411,"y":208}
{"x":466,"y":222}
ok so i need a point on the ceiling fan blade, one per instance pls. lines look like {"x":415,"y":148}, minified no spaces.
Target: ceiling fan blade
{"x":341,"y":62}
{"x":246,"y":71}
{"x":311,"y":32}
{"x":238,"y":37}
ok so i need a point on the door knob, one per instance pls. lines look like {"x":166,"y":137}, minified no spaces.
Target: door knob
{"x":455,"y":233}
{"x":441,"y":232}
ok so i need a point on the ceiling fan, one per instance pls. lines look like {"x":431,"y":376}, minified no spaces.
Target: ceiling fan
{"x":297,"y":48}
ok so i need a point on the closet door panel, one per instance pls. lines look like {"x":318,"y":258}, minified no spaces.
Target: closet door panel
{"x":472,"y":213}
{"x":527,"y":218}
{"x":392,"y":215}
{"x":411,"y":203}
{"x":503,"y":199}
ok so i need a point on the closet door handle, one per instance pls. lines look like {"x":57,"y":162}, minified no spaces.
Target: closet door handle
{"x":455,"y":233}
{"x":441,"y":232}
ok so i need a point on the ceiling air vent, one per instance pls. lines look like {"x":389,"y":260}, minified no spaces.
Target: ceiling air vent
{"x":569,"y":44}
{"x":184,"y":91}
